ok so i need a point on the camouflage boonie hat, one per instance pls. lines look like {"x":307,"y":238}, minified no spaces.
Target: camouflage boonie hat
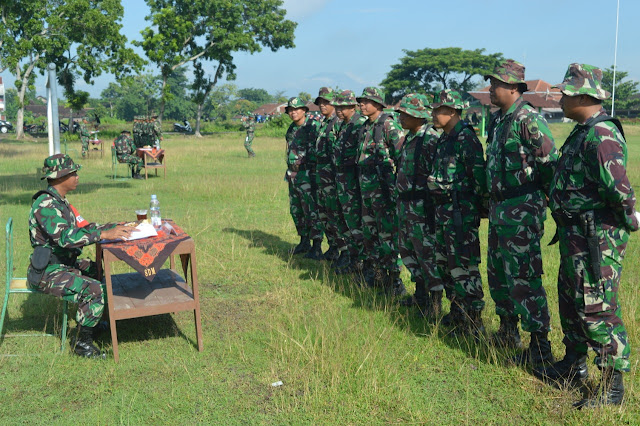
{"x":345,"y":98}
{"x":373,"y":94}
{"x":58,"y":165}
{"x":449,"y":98}
{"x":508,"y":71}
{"x":325,"y":93}
{"x":583,"y":79}
{"x":295,"y":102}
{"x":415,"y":105}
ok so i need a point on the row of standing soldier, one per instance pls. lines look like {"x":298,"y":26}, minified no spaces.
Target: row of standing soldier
{"x":384,"y":198}
{"x":147,"y":131}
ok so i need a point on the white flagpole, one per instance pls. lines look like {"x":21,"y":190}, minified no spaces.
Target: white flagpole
{"x":615,"y":59}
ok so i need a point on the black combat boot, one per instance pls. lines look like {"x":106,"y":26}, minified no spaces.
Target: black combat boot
{"x":419,"y":298}
{"x":538,"y":352}
{"x":138,"y":176}
{"x":395,"y":286}
{"x":455,"y":317}
{"x":507,"y":336}
{"x":303,"y":246}
{"x":331,"y":254}
{"x":610,"y":391}
{"x":572,"y":369}
{"x":316,"y":251}
{"x":82,"y":344}
{"x":342,"y":262}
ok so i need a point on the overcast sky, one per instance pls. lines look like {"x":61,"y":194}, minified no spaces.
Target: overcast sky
{"x":353,"y":43}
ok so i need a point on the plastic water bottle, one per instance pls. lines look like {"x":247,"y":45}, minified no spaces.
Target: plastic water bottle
{"x":154,"y":212}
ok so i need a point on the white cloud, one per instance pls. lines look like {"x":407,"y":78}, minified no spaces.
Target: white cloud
{"x":299,"y":9}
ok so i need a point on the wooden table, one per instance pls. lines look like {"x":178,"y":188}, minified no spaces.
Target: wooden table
{"x":132,"y":295}
{"x":157,"y":155}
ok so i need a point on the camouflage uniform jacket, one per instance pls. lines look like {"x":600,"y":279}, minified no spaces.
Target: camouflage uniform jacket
{"x":528,"y":156}
{"x":249,"y":126}
{"x":346,"y":151}
{"x":84,"y":132}
{"x":326,"y":142}
{"x":124,"y":145}
{"x":409,"y":178}
{"x":458,"y":165}
{"x":52,"y":224}
{"x":386,"y":149}
{"x":301,"y":142}
{"x":596,"y":177}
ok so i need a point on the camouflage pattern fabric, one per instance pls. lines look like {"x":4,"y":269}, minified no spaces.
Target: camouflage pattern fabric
{"x":250,"y":127}
{"x":508,"y":71}
{"x":57,"y":166}
{"x":458,"y":169}
{"x":84,"y":138}
{"x":376,"y":165}
{"x":583,"y":79}
{"x":526,"y":159}
{"x":416,"y":241}
{"x":594,"y":179}
{"x":450,"y":98}
{"x":53,"y":225}
{"x":373,"y":94}
{"x":328,"y":206}
{"x":325,"y":93}
{"x":301,"y":178}
{"x":156,"y":130}
{"x":348,"y":185}
{"x":416,"y":105}
{"x":126,"y":152}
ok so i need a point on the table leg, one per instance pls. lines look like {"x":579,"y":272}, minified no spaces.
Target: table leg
{"x":112,"y":321}
{"x":145,"y":167}
{"x":196,"y":297}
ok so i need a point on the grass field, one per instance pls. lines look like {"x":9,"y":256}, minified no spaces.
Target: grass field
{"x":344,"y":355}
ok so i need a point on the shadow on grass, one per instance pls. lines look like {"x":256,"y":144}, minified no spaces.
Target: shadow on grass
{"x":373,"y":299}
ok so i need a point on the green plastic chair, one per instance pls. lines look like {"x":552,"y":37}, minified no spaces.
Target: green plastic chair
{"x":20,"y":285}
{"x":114,"y":165}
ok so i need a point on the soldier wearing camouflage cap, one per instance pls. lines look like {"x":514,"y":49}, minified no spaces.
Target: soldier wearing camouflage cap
{"x":415,"y":209}
{"x":84,"y":136}
{"x":347,"y":185}
{"x":301,"y":136}
{"x":521,"y":159}
{"x":58,"y":233}
{"x":249,"y":124}
{"x":593,"y":204}
{"x":381,"y":138}
{"x":328,"y":206}
{"x":457,"y":183}
{"x":126,"y":153}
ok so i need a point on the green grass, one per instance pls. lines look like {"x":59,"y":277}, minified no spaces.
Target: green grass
{"x":344,"y":355}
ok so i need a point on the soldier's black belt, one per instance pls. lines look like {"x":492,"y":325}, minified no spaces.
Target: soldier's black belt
{"x":518,"y":191}
{"x":347,"y":168}
{"x":563,"y":218}
{"x":300,"y":167}
{"x":57,"y":260}
{"x":447,"y":198}
{"x":413,"y":195}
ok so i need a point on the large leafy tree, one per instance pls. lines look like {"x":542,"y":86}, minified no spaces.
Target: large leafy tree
{"x":82,"y":36}
{"x":132,"y":96}
{"x":626,"y":91}
{"x":430,"y":70}
{"x":184,"y":31}
{"x":258,"y":96}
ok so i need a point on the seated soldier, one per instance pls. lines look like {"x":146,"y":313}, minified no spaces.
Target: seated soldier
{"x":126,"y":153}
{"x":58,"y":233}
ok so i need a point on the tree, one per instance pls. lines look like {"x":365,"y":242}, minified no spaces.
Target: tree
{"x":304,"y":96}
{"x":258,"y":96}
{"x":179,"y":106}
{"x":430,"y":70}
{"x":132,"y":96}
{"x":626,"y":91}
{"x":83,"y":35}
{"x":201,"y":88}
{"x":183,"y":31}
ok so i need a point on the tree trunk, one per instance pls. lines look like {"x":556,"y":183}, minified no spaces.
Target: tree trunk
{"x":198,"y":116}
{"x":71,"y":128}
{"x":162,"y":99}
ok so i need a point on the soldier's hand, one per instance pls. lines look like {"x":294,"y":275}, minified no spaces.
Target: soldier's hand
{"x":120,"y":232}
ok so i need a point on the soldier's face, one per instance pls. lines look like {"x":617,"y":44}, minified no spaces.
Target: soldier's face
{"x":369,"y":107}
{"x":442,"y":116}
{"x":296,"y":114}
{"x":570,"y":105}
{"x":347,"y":111}
{"x":326,"y":108}
{"x":500,"y":93}
{"x":70,"y":181}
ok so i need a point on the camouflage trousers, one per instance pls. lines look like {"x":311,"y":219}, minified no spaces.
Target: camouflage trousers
{"x":302,"y":204}
{"x":76,"y":285}
{"x":457,"y":259}
{"x":514,"y":272}
{"x":85,"y":145}
{"x":348,"y":189}
{"x":329,"y":207}
{"x":248,"y":144}
{"x":136,"y":162}
{"x":416,"y":244}
{"x":379,"y":222}
{"x":590,"y":313}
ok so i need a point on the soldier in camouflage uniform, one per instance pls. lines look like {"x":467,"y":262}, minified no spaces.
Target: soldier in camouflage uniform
{"x":156,"y":130}
{"x":457,"y":183}
{"x":416,"y":214}
{"x":381,"y":138}
{"x":249,"y":124}
{"x":347,"y":184}
{"x":593,"y":205}
{"x":126,"y":153}
{"x":84,"y":136}
{"x":58,"y":233}
{"x":521,"y":159}
{"x":300,"y":175}
{"x":328,"y":209}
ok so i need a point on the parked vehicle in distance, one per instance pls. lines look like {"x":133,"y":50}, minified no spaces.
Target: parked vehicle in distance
{"x":184,"y":128}
{"x":5,"y":126}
